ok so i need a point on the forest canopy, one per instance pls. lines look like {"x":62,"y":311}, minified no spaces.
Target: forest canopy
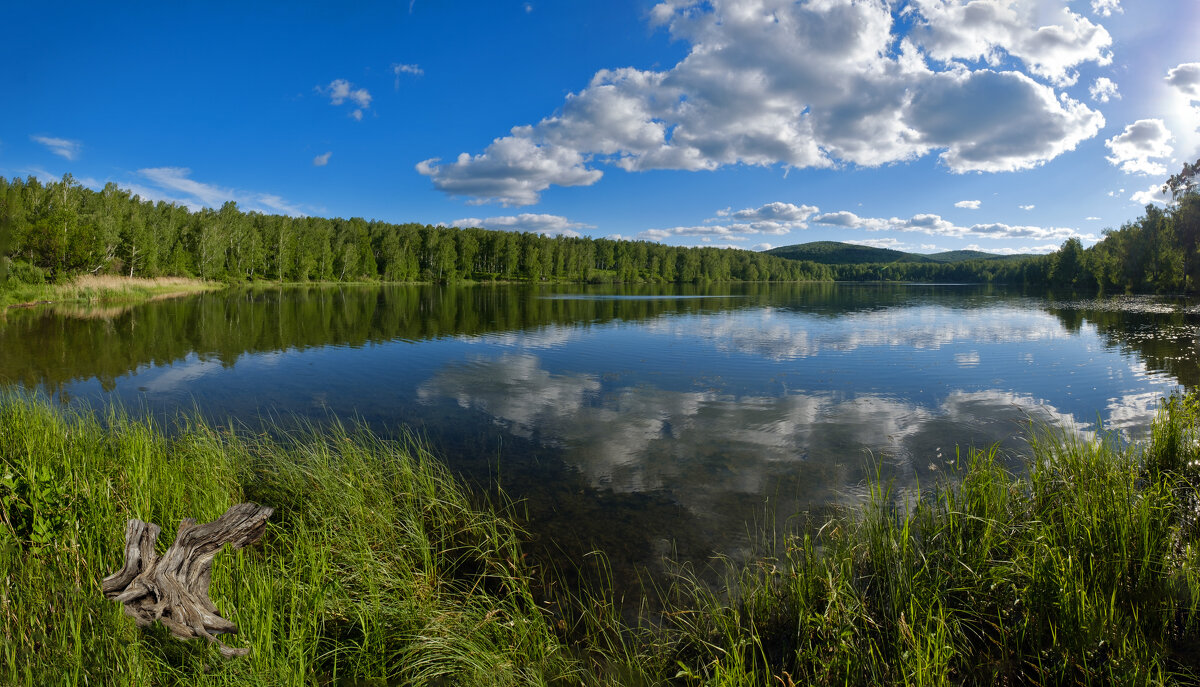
{"x":56,"y":230}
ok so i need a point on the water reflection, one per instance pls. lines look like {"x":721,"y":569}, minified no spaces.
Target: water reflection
{"x":783,"y":333}
{"x":638,"y":420}
{"x":699,"y":445}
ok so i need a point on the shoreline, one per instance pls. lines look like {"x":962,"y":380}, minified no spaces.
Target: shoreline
{"x":103,"y":289}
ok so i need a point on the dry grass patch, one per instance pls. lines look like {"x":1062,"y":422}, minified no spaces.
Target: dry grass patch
{"x":110,"y":282}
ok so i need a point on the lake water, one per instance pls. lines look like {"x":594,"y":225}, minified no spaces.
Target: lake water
{"x":640,"y":421}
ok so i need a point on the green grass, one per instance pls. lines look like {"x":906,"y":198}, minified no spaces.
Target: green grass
{"x":374,"y":566}
{"x":100,"y":289}
{"x":1084,"y":570}
{"x":376,"y":569}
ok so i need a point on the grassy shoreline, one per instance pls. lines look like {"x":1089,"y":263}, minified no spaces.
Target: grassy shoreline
{"x":102,"y":289}
{"x":378,"y":568}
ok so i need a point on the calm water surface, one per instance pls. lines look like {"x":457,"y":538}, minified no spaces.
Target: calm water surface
{"x":640,"y":421}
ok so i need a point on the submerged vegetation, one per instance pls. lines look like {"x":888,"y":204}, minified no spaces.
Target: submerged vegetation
{"x":379,"y":568}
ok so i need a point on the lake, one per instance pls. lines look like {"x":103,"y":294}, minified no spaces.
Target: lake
{"x":642,"y":421}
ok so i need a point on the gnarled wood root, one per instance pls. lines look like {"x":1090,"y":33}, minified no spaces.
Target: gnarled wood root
{"x":174,"y":589}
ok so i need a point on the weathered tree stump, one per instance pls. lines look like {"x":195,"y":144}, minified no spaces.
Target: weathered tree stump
{"x":174,"y":589}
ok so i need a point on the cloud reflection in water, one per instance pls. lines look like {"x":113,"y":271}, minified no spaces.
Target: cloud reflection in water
{"x":720,"y":453}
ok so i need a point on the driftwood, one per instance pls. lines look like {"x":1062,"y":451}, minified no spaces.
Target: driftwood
{"x":174,"y":589}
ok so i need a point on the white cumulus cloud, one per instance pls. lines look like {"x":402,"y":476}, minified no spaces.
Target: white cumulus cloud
{"x":1152,"y":195}
{"x":511,"y":171}
{"x":341,"y":90}
{"x":787,"y":213}
{"x":1107,"y":8}
{"x":1186,"y":79}
{"x":776,"y":218}
{"x":810,"y":83}
{"x":1051,"y":41}
{"x":1103,"y":90}
{"x":968,"y":204}
{"x":1134,"y":149}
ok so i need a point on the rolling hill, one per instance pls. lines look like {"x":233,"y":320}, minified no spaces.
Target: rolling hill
{"x":837,"y":253}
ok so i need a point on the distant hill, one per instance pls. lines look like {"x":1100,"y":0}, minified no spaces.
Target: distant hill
{"x":965,"y":255}
{"x":837,"y":253}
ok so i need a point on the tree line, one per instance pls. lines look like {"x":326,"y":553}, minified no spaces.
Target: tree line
{"x":54,"y":231}
{"x":1158,"y":252}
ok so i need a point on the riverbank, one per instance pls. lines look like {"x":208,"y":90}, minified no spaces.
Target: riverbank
{"x":379,"y":568}
{"x":102,"y":289}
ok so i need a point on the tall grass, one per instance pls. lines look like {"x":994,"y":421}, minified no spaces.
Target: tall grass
{"x":374,"y":567}
{"x":1082,"y":569}
{"x":101,"y":288}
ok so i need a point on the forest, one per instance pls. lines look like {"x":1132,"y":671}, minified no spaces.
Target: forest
{"x":53,"y":231}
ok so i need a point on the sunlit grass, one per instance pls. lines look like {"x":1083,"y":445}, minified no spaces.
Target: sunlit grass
{"x":103,"y":289}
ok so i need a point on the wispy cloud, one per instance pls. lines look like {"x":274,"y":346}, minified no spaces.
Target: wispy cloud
{"x":1022,"y":250}
{"x":550,"y":225}
{"x":968,"y":204}
{"x":400,"y":69}
{"x":935,"y":225}
{"x":174,"y":185}
{"x":782,"y":218}
{"x":893,"y":244}
{"x":63,"y":147}
{"x":46,"y":177}
{"x":322,"y":159}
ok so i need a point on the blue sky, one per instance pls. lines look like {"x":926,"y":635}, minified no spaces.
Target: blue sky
{"x":924,"y":125}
